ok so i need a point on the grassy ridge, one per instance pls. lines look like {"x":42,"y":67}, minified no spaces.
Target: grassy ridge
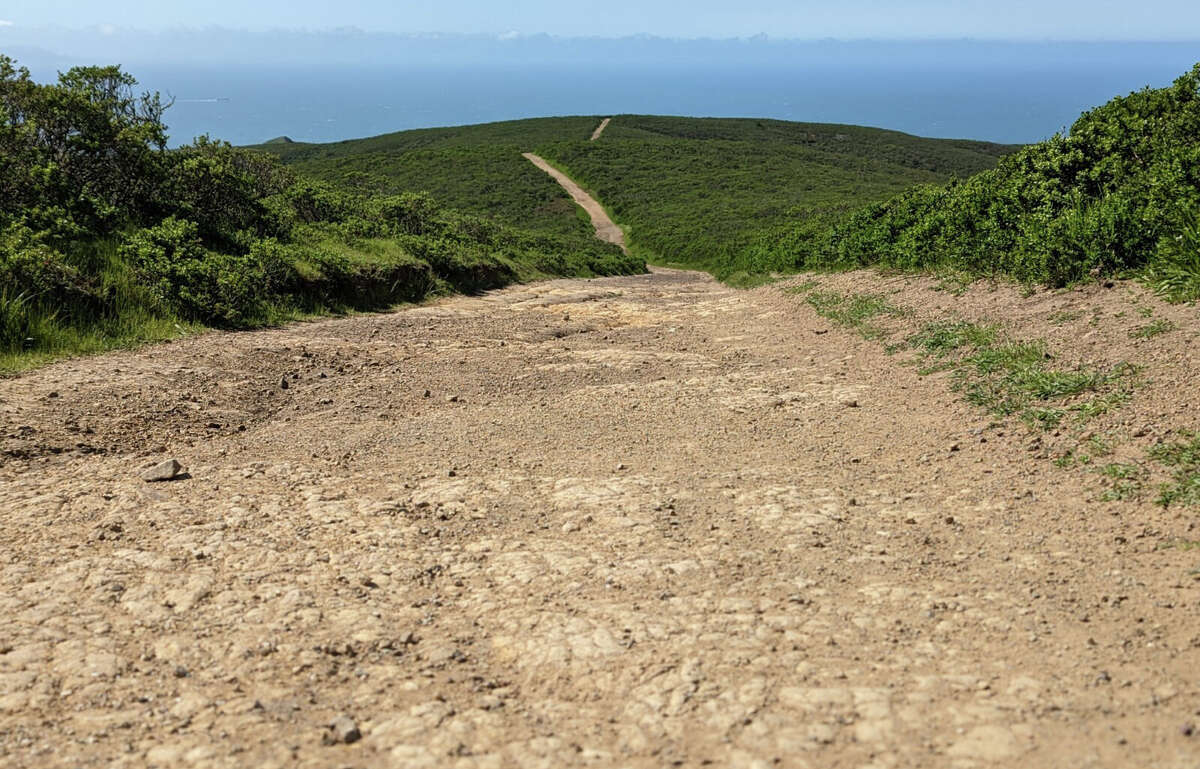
{"x":700,"y":192}
{"x":691,"y":191}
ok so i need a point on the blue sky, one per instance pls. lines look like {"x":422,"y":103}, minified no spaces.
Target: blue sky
{"x":992,"y":19}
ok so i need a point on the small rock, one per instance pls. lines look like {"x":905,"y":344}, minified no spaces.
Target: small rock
{"x":620,"y":467}
{"x":955,"y":447}
{"x":451,"y":473}
{"x":427,"y":394}
{"x":490,"y":702}
{"x":181,"y":671}
{"x":342,"y":731}
{"x":849,"y":403}
{"x":1188,"y":729}
{"x":452,"y":399}
{"x":283,"y":384}
{"x":163,"y":471}
{"x":950,"y":519}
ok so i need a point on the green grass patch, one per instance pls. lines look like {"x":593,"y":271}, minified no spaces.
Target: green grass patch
{"x":1150,"y":330}
{"x":855,"y":311}
{"x":801,"y":288}
{"x":1063,"y":317}
{"x":745,"y":280}
{"x":1179,"y":544}
{"x":1182,"y":461}
{"x":944,"y":338}
{"x":1009,"y":377}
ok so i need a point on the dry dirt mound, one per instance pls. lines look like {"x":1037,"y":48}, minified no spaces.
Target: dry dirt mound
{"x":638,"y":521}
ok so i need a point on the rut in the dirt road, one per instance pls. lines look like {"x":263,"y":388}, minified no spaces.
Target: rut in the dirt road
{"x":618,"y":522}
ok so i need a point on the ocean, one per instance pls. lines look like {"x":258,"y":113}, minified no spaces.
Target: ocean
{"x":1015,"y":95}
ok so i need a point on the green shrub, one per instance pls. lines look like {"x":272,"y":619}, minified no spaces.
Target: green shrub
{"x":1117,"y":194}
{"x":223,"y":190}
{"x":201,"y":285}
{"x":408,"y":213}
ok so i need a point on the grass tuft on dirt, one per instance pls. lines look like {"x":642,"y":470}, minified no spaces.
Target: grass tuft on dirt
{"x":1182,"y":459}
{"x":855,"y":311}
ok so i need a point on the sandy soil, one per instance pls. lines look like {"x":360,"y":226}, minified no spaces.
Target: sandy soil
{"x":600,"y":128}
{"x":606,"y":229}
{"x":640,"y":521}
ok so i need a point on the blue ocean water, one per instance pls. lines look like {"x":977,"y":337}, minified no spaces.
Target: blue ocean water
{"x":999,"y":97}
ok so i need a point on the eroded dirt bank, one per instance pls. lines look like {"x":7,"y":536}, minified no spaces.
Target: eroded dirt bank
{"x":642,"y":522}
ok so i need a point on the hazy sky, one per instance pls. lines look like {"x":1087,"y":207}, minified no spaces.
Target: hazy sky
{"x":1006,"y":19}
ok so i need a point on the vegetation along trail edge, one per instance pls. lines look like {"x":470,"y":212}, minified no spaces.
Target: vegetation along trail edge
{"x":606,"y":228}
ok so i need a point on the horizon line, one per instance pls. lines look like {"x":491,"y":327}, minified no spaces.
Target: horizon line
{"x":108,"y":30}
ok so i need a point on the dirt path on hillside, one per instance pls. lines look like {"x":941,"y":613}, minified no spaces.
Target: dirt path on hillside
{"x":639,"y":522}
{"x":606,"y":229}
{"x":600,"y":128}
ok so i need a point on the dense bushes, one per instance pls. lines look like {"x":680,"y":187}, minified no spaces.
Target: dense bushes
{"x":1118,"y":194}
{"x":107,"y":237}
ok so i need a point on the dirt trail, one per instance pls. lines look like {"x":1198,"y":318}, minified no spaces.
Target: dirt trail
{"x":606,"y":229}
{"x":637,"y":522}
{"x":600,"y":128}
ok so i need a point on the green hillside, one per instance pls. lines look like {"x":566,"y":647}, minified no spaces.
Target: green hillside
{"x":692,"y":191}
{"x":107,"y":238}
{"x":476,"y":168}
{"x":1119,"y":194}
{"x":698,"y":191}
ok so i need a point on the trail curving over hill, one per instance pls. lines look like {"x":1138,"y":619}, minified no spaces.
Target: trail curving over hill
{"x":600,"y":128}
{"x":606,"y":228}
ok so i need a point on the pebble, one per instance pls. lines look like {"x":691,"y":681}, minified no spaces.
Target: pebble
{"x":283,"y":383}
{"x":849,"y":403}
{"x":342,"y":731}
{"x":163,"y":471}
